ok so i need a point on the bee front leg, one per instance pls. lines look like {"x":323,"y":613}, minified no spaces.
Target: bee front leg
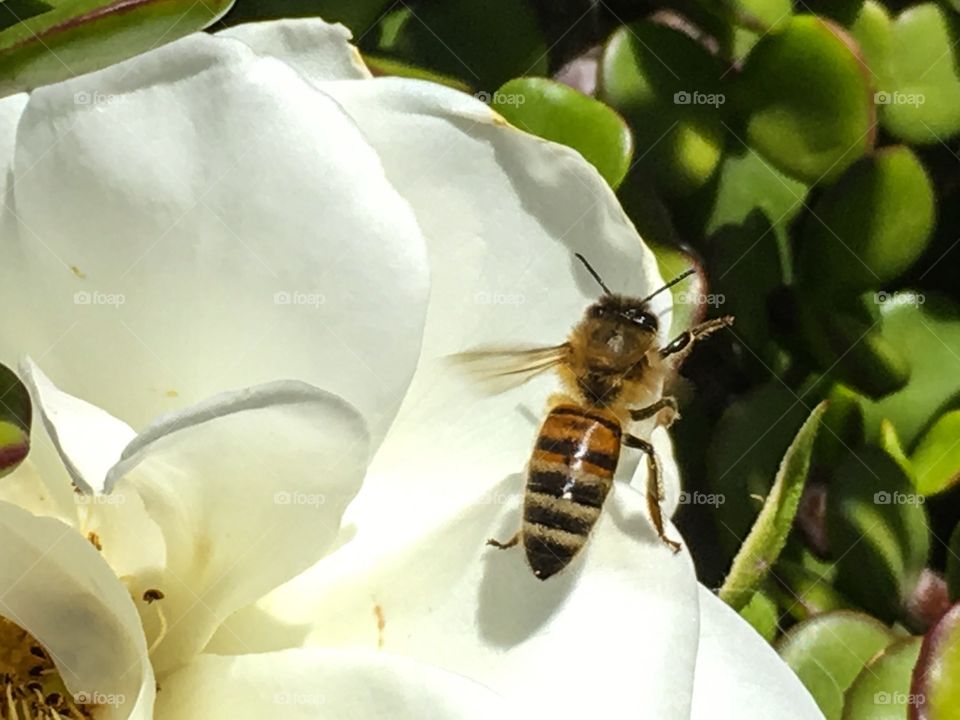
{"x":505,"y":545}
{"x":654,"y":487}
{"x":666,"y":419}
{"x":681,"y":345}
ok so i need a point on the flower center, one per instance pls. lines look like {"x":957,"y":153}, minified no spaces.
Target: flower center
{"x":30,"y":685}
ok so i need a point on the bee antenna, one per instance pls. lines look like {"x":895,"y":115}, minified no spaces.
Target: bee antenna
{"x":685,"y":274}
{"x":593,"y":272}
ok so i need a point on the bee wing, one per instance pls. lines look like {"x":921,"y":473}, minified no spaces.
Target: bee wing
{"x":497,"y":370}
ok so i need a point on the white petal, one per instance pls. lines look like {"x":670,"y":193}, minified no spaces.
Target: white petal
{"x":57,"y":587}
{"x":88,"y":439}
{"x":317,"y":49}
{"x":226,"y":225}
{"x":345,"y":685}
{"x":503,"y":213}
{"x":247,"y":489}
{"x":11,"y":108}
{"x":619,"y":625}
{"x":739,"y":676}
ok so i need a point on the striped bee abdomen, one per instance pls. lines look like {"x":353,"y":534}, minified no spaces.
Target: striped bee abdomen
{"x":571,"y":472}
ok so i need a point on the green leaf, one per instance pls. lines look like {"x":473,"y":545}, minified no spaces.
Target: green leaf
{"x":870,"y":226}
{"x":667,"y":86}
{"x":803,"y":593}
{"x":769,"y":534}
{"x":890,"y":443}
{"x":827,"y":653}
{"x":484,"y":44}
{"x":755,"y":18}
{"x":358,"y":15}
{"x":879,"y":532}
{"x":80,"y":36}
{"x":936,"y":458}
{"x":842,"y":427}
{"x":747,"y":446}
{"x":844,"y":337}
{"x":806,"y":99}
{"x":935,"y":679}
{"x":921,"y":101}
{"x":873,"y":31}
{"x":926,"y":330}
{"x":380,"y":66}
{"x":561,"y":114}
{"x":761,"y":612}
{"x":882,"y":689}
{"x":15,"y":419}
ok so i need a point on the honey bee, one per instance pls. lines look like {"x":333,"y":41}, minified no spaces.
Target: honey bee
{"x":613,"y":373}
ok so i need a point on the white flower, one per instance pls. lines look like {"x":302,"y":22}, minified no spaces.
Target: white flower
{"x":236,"y":209}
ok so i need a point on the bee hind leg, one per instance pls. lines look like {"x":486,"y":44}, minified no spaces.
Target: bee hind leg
{"x":505,"y":545}
{"x":654,"y":488}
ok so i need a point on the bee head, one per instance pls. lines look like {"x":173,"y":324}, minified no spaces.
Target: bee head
{"x":632,"y":314}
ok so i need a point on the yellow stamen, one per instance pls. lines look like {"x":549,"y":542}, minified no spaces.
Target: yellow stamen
{"x":30,"y":684}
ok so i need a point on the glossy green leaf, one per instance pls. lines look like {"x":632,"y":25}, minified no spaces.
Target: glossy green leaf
{"x":755,"y":18}
{"x":873,"y":31}
{"x":879,"y":532}
{"x":358,"y":15}
{"x":484,"y":44}
{"x":926,"y":330}
{"x":803,"y":593}
{"x":842,"y":427}
{"x":921,"y":103}
{"x":667,"y":86}
{"x":882,"y":689}
{"x":769,"y":534}
{"x":890,"y":443}
{"x":15,"y":421}
{"x":870,"y":226}
{"x":747,"y":446}
{"x":806,"y":99}
{"x":844,"y":336}
{"x":690,"y":298}
{"x":827,"y":653}
{"x":380,"y":66}
{"x":936,"y":678}
{"x":79,"y":36}
{"x":761,"y":612}
{"x":936,"y":458}
{"x":559,"y":113}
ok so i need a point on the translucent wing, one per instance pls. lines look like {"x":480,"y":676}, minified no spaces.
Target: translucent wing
{"x":497,"y":370}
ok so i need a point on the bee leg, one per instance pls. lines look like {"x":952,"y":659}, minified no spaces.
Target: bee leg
{"x":505,"y":545}
{"x":683,"y":343}
{"x":664,"y":403}
{"x":654,"y":487}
